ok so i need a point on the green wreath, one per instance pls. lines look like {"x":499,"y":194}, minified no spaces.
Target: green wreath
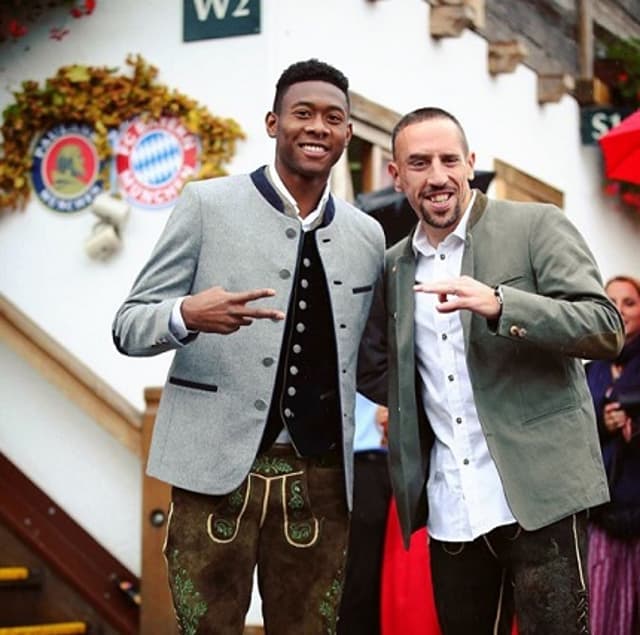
{"x":102,"y":98}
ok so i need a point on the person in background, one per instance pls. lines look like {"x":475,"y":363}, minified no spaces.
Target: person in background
{"x":360,"y":607}
{"x":614,"y":539}
{"x":261,"y":283}
{"x":486,"y":310}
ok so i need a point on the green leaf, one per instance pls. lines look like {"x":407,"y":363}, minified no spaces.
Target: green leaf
{"x":78,"y":73}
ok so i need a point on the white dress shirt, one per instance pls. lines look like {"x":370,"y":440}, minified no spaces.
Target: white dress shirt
{"x":465,"y":494}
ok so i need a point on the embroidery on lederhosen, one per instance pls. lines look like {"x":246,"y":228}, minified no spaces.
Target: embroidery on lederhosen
{"x":271,"y":466}
{"x":329,"y":604}
{"x":301,"y":528}
{"x":189,"y":607}
{"x":223,"y":524}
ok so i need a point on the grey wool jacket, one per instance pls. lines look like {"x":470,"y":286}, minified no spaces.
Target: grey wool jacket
{"x":232,"y":232}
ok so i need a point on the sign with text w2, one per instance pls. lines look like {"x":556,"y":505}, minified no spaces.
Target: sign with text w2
{"x":205,"y":19}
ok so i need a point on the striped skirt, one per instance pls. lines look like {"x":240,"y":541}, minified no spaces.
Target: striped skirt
{"x":614,"y":584}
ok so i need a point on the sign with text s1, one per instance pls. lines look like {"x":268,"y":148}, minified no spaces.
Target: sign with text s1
{"x":206,"y":19}
{"x":598,"y":120}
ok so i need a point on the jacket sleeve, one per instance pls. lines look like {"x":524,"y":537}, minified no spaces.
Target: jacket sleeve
{"x":569,"y":312}
{"x":141,"y":325}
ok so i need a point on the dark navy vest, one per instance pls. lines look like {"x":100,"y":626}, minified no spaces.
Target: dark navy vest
{"x":305,"y":398}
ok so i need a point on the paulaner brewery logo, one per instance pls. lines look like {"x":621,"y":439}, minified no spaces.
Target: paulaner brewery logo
{"x":66,"y":167}
{"x":154,"y":159}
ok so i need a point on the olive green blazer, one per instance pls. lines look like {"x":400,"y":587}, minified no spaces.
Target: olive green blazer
{"x":526,"y":370}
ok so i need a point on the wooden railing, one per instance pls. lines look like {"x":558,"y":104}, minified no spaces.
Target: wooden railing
{"x":69,"y":551}
{"x":78,"y":382}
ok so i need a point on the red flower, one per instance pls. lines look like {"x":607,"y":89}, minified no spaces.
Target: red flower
{"x":623,"y":77}
{"x":85,"y":8}
{"x":16,"y":29}
{"x":631,"y":198}
{"x":612,"y":188}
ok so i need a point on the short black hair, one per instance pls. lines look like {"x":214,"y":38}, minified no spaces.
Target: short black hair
{"x":425,"y":114}
{"x":309,"y":71}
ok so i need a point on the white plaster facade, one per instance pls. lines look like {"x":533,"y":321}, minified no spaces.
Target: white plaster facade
{"x":386,"y":51}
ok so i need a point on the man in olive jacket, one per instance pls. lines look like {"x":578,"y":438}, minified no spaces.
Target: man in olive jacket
{"x":480,"y":322}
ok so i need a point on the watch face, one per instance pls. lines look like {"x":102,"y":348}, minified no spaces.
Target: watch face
{"x":498,"y":293}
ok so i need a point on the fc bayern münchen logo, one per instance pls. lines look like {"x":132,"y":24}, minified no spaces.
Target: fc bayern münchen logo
{"x":66,"y":167}
{"x":154,"y":159}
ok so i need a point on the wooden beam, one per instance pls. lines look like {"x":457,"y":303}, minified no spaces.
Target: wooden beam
{"x":450,"y":21}
{"x":591,"y":91}
{"x":157,"y":616}
{"x":585,"y":38}
{"x":448,"y":18}
{"x":552,"y":88}
{"x":81,"y":385}
{"x":504,"y":57}
{"x":516,"y":185}
{"x":611,"y":17}
{"x":371,"y":113}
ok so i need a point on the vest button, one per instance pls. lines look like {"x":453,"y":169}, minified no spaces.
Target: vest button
{"x":291,"y":391}
{"x":302,"y":304}
{"x":297,"y":348}
{"x":284,"y":274}
{"x":300,"y":327}
{"x":293,"y":370}
{"x":288,"y":413}
{"x":306,"y":262}
{"x":290,"y":232}
{"x":267,"y":361}
{"x":304,"y":283}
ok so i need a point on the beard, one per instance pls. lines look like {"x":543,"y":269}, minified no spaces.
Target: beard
{"x":440,"y":222}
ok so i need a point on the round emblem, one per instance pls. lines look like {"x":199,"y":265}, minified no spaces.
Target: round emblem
{"x":66,"y":167}
{"x":154,"y":159}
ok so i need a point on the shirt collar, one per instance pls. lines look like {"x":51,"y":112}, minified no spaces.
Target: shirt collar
{"x":420,"y":242}
{"x":315,"y":217}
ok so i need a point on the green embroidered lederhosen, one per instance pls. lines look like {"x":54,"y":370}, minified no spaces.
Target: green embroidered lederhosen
{"x":288,"y":517}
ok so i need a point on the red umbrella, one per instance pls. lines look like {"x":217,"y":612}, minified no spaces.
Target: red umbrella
{"x":621,"y":150}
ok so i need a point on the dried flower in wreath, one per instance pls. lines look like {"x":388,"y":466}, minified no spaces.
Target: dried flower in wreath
{"x":101,"y":97}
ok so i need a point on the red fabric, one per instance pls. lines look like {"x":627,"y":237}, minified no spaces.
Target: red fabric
{"x":407,"y":606}
{"x":407,"y":597}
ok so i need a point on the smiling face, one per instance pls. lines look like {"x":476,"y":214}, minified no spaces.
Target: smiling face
{"x":311,"y":130}
{"x":432,"y":167}
{"x":626,"y":297}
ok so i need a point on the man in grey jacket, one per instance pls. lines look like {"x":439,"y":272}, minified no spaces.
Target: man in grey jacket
{"x":484,"y":312}
{"x":261,"y":284}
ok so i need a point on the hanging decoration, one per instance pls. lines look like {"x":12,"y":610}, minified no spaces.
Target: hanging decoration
{"x":105,"y":100}
{"x":16,"y":16}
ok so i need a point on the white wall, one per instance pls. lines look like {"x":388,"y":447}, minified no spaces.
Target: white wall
{"x":383,"y":47}
{"x":68,"y":452}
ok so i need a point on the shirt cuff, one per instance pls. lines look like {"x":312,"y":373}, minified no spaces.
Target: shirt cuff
{"x":176,"y":322}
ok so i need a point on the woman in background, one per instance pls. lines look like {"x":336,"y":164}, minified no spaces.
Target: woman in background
{"x":614,"y":546}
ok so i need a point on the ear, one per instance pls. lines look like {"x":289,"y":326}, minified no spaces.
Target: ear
{"x":271,"y":123}
{"x":471,"y":161}
{"x":392,"y":168}
{"x":349,"y":135}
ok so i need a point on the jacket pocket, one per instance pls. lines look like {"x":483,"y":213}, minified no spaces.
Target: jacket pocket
{"x":185,"y":383}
